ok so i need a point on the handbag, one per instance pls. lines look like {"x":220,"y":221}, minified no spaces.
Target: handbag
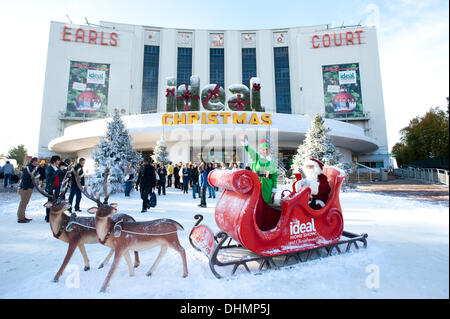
{"x":152,"y":201}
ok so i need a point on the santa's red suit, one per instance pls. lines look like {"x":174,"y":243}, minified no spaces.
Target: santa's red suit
{"x":316,"y":181}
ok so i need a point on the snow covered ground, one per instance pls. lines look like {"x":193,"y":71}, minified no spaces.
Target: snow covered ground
{"x":407,"y":256}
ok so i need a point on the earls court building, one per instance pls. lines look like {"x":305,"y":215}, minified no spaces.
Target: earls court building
{"x":164,"y":79}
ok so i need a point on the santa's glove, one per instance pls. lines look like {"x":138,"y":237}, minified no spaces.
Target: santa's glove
{"x":301,"y":183}
{"x":306,"y":183}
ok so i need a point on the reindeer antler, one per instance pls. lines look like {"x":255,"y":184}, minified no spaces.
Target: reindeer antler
{"x":105,"y":186}
{"x":36,"y":184}
{"x":65,"y":183}
{"x":84,"y":189}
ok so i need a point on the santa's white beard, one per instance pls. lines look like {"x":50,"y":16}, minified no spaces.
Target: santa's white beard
{"x":311,"y":174}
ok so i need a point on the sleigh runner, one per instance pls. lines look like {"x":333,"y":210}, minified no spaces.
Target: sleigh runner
{"x":257,"y":236}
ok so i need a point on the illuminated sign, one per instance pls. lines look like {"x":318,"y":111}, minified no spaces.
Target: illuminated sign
{"x":212,"y":118}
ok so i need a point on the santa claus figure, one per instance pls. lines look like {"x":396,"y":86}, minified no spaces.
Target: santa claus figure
{"x":316,"y":181}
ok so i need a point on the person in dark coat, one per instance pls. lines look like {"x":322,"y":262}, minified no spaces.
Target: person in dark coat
{"x":186,"y":173}
{"x":25,"y":190}
{"x":146,"y":182}
{"x":194,"y":180}
{"x":176,"y":175}
{"x":74,"y":190}
{"x":50,"y":174}
{"x":162,"y":173}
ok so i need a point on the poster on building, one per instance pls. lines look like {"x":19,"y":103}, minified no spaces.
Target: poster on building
{"x":88,"y":89}
{"x":342,"y":91}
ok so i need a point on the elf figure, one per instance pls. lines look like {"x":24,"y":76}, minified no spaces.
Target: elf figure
{"x":317,"y":181}
{"x":264,"y":167}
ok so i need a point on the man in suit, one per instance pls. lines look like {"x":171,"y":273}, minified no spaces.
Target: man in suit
{"x":146,"y":182}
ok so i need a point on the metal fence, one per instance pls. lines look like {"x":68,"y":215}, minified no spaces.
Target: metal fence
{"x":428,"y":175}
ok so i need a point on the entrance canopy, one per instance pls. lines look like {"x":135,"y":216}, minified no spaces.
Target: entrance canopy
{"x":205,"y":127}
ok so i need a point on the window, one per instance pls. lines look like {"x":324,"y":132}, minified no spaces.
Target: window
{"x":217,"y":67}
{"x":184,"y":66}
{"x":150,"y":79}
{"x":282,"y":79}
{"x":248,"y":65}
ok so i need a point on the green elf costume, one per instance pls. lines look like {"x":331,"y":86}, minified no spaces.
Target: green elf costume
{"x":264,"y":167}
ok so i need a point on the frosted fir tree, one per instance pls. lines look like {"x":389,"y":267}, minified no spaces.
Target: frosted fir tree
{"x":160,"y":154}
{"x":318,"y":145}
{"x":114,"y":151}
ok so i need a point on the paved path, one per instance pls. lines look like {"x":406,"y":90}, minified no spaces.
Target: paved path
{"x":402,"y":187}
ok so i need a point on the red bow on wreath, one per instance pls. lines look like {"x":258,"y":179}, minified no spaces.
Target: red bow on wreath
{"x":212,"y":94}
{"x":256,"y":86}
{"x":170,"y":92}
{"x":187,"y":97}
{"x":239,"y":103}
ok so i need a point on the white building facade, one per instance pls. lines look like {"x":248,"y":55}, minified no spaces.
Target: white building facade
{"x":182,"y":83}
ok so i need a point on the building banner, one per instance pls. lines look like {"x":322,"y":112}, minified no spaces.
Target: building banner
{"x":342,"y":91}
{"x":88,"y":90}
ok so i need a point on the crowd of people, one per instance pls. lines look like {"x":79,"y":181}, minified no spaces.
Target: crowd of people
{"x":50,"y":177}
{"x":182,"y":176}
{"x":149,"y":178}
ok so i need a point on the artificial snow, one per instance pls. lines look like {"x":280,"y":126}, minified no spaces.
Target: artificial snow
{"x":407,"y":256}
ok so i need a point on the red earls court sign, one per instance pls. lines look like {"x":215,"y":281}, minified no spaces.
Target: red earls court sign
{"x":336,"y":39}
{"x":89,"y":36}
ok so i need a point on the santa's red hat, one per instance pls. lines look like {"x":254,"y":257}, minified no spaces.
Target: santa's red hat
{"x":312,"y":161}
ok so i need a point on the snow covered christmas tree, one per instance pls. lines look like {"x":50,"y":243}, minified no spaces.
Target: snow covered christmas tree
{"x":114,"y":151}
{"x":161,"y":155}
{"x":318,"y":145}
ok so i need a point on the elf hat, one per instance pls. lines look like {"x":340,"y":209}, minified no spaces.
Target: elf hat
{"x":312,"y":161}
{"x":263,"y":143}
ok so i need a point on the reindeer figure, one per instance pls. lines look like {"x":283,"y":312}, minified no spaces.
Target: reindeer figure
{"x":132,"y":235}
{"x":83,"y":230}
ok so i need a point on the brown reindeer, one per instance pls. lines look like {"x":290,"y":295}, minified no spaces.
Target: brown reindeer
{"x":132,"y":235}
{"x":83,"y":228}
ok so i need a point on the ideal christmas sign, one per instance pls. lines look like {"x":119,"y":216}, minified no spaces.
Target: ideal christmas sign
{"x":88,"y":89}
{"x":342,"y":91}
{"x":212,"y":96}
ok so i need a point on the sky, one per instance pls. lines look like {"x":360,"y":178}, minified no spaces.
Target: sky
{"x":413,"y":41}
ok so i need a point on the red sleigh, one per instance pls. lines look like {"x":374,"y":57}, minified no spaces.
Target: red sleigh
{"x":268,"y":235}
